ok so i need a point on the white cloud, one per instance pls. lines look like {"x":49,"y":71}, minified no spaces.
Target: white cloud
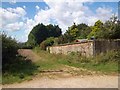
{"x":37,"y":7}
{"x":14,"y":26}
{"x":29,"y":25}
{"x":104,"y":13}
{"x":65,"y":13}
{"x":62,"y":13}
{"x":19,"y":11}
{"x":12,"y":17}
{"x":12,"y":1}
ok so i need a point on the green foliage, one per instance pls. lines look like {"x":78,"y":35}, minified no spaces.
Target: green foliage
{"x":63,"y":39}
{"x":106,"y":62}
{"x":96,"y":29}
{"x":74,"y":32}
{"x":53,"y":31}
{"x":41,"y":32}
{"x":9,"y":50}
{"x":109,"y":30}
{"x":47,"y":42}
{"x":111,"y":56}
{"x":71,"y":33}
{"x":19,"y":71}
{"x":14,"y":67}
{"x":100,"y":30}
{"x":84,"y":30}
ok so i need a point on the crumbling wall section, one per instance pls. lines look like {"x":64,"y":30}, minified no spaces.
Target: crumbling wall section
{"x":85,"y":48}
{"x":88,"y":48}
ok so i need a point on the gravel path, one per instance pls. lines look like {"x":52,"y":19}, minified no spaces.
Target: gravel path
{"x":71,"y":82}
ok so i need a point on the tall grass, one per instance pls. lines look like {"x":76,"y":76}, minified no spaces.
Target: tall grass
{"x":105,"y":62}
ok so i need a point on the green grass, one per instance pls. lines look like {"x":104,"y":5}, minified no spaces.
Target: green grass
{"x":47,"y":61}
{"x":106,"y":63}
{"x":105,"y":68}
{"x":19,"y":71}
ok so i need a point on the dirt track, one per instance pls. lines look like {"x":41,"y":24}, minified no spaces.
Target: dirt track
{"x":72,"y":82}
{"x":29,"y":54}
{"x":90,"y":81}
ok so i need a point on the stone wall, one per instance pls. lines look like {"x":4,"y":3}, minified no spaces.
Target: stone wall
{"x":85,"y":48}
{"x":101,"y":46}
{"x":88,"y":48}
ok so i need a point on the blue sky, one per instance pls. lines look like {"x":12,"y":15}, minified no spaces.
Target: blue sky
{"x":19,"y":18}
{"x":30,"y":6}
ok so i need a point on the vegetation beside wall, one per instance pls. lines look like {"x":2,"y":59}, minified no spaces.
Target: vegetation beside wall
{"x":105,"y":62}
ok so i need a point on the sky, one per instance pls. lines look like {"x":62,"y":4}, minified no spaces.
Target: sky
{"x":18,"y":18}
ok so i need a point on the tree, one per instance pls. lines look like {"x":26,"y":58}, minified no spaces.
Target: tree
{"x":41,"y":32}
{"x":113,"y":28}
{"x":109,"y":30}
{"x":53,"y":31}
{"x":37,"y":35}
{"x":96,"y":30}
{"x":84,"y":30}
{"x":75,"y":32}
{"x":71,"y":33}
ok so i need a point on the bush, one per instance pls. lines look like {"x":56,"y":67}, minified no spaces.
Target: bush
{"x":9,"y":50}
{"x":47,"y":42}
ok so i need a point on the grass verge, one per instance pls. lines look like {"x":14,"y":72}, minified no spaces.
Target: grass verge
{"x":19,"y":71}
{"x":105,"y":62}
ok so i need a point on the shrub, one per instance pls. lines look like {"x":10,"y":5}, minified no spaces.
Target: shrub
{"x":47,"y":42}
{"x":9,"y":50}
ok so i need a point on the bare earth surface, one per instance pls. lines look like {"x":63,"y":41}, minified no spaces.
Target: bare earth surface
{"x":65,"y":80}
{"x":71,"y":82}
{"x":29,"y":54}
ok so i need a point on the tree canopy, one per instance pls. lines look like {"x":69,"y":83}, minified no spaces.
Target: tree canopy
{"x":100,"y":30}
{"x":41,"y":32}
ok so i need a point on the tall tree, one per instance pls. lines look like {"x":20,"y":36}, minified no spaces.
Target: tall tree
{"x":41,"y":32}
{"x":113,"y":28}
{"x":72,"y":32}
{"x":84,"y":30}
{"x":96,"y":29}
